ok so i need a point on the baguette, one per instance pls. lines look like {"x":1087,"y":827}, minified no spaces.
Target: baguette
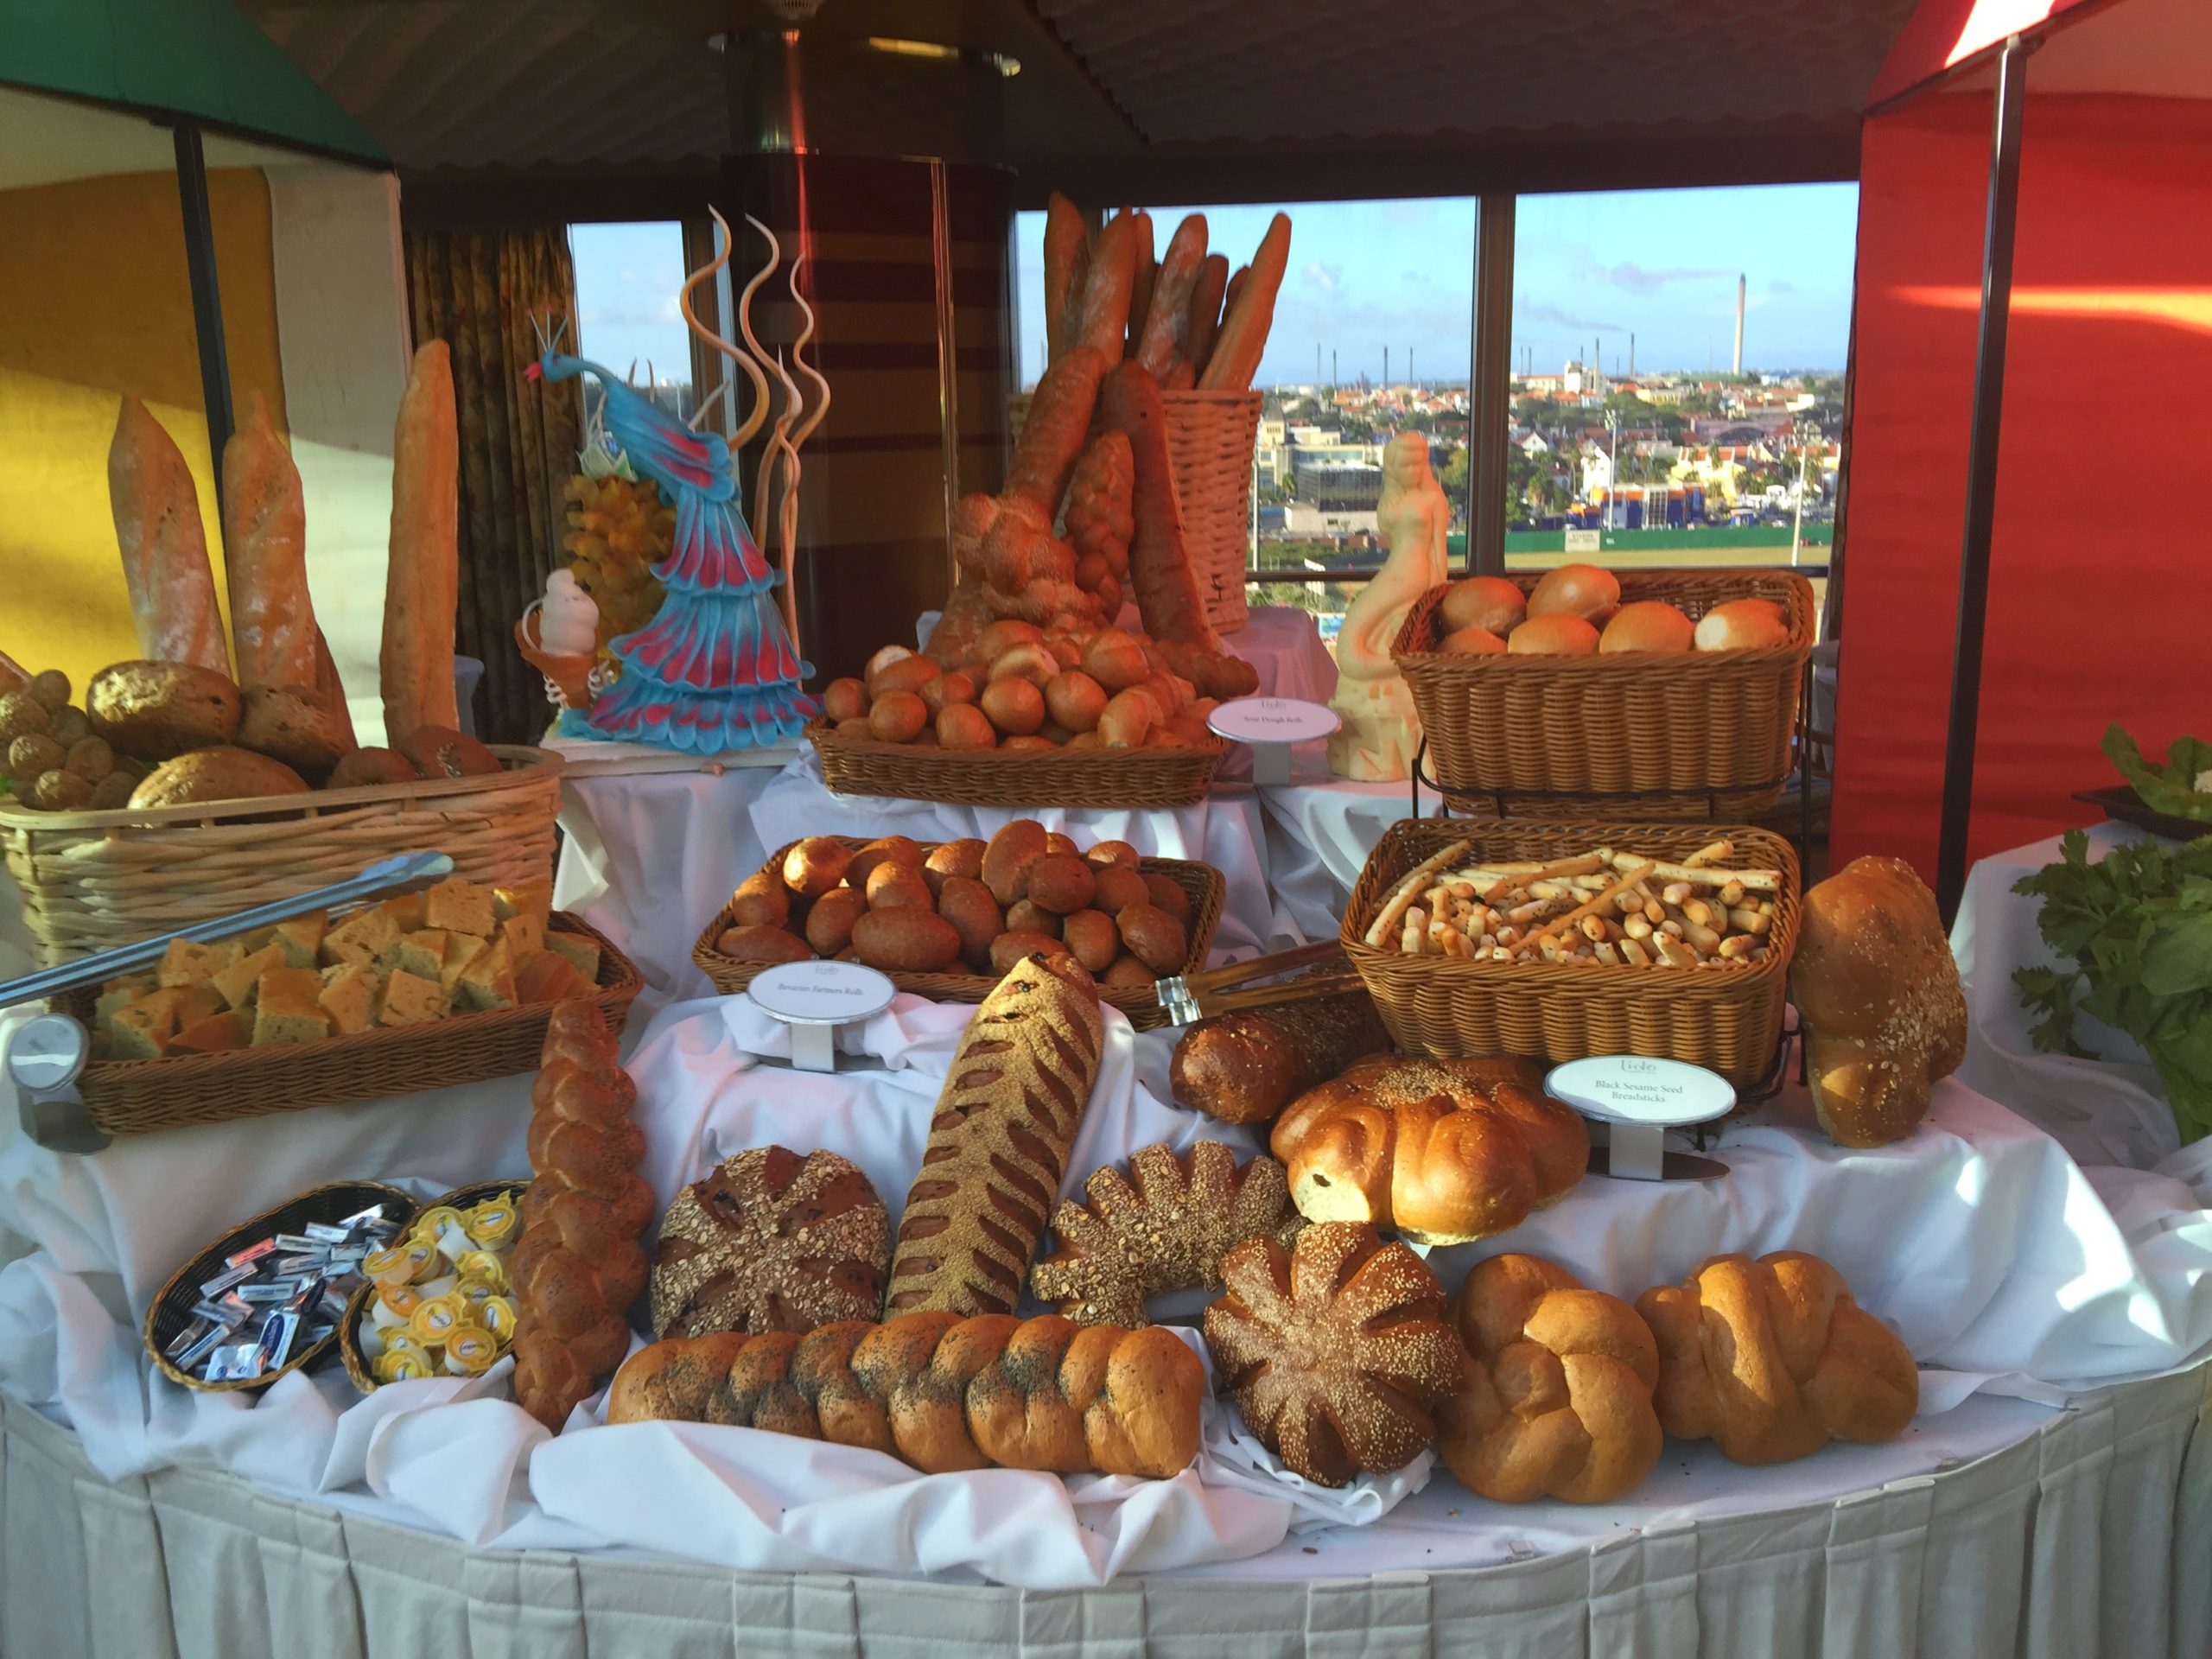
{"x":1166,"y":317}
{"x":1245,"y":1068}
{"x":1066,"y":237}
{"x":1244,"y":334}
{"x":999,"y":1144}
{"x":1144,"y":274}
{"x":1166,"y":589}
{"x":1203,"y":318}
{"x":163,"y":543}
{"x":1103,"y":310}
{"x":331,"y":691}
{"x":939,"y":1392}
{"x":265,"y":557}
{"x":1051,"y":438}
{"x":422,"y":585}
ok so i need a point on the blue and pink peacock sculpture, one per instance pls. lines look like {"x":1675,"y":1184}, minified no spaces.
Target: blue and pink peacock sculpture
{"x":717,"y":669}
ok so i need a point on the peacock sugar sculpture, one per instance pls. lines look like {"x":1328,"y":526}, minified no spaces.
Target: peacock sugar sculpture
{"x":717,"y":668}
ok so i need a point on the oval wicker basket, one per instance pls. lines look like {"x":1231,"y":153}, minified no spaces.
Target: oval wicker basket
{"x":1203,"y":885}
{"x":172,"y":1307}
{"x":1023,"y":779}
{"x":1727,"y":1020}
{"x":91,"y":880}
{"x":1209,"y":438}
{"x":349,"y":1341}
{"x":176,"y":1091}
{"x":1648,"y":734}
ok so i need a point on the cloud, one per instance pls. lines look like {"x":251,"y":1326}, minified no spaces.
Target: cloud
{"x":1636,"y":279}
{"x":1536,"y":313}
{"x":1778,"y":286}
{"x":1328,"y":278}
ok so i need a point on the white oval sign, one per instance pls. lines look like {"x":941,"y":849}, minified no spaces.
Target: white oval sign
{"x":1272,"y":719}
{"x":1634,"y":1089}
{"x":821,"y":993}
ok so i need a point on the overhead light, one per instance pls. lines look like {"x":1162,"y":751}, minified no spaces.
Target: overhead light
{"x":893,"y":47}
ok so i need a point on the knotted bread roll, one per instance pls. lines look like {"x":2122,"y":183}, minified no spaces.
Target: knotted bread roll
{"x":1558,"y":1402}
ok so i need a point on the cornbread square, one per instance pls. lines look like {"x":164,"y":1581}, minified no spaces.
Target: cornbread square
{"x":216,"y":1034}
{"x":287,"y":1008}
{"x":121,"y":993}
{"x":461,"y":948}
{"x":236,"y":983}
{"x":191,"y":1003}
{"x":406,"y":909}
{"x":582,"y":952}
{"x":300,"y":939}
{"x":409,"y":1000}
{"x":142,"y":1031}
{"x":421,"y":953}
{"x":522,"y":935}
{"x":488,"y":982}
{"x":531,"y":898}
{"x":459,"y":907}
{"x":186,"y":963}
{"x":349,"y":995}
{"x":548,"y":977}
{"x":362,"y":937}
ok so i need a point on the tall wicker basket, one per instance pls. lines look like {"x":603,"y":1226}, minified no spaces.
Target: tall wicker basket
{"x":91,"y":880}
{"x":1209,"y":438}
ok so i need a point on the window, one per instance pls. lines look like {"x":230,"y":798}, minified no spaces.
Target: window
{"x":627,"y":314}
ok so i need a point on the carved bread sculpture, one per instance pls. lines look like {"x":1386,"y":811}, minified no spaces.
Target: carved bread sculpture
{"x":1164,"y":1226}
{"x":1771,"y":1359}
{"x":1335,"y":1349}
{"x":579,"y":1265}
{"x":999,"y":1144}
{"x":1558,"y":1400}
{"x":940,"y":1392}
{"x":770,"y":1241}
{"x":1445,"y":1151}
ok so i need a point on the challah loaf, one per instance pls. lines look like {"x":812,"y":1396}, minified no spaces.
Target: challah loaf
{"x":579,"y":1265}
{"x":940,"y":1392}
{"x":1771,"y":1359}
{"x":1558,"y":1400}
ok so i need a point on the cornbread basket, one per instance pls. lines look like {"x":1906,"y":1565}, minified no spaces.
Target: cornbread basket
{"x":172,"y":1307}
{"x":1726,"y":1019}
{"x":1209,"y":438}
{"x":139,"y":1097}
{"x":1203,"y":885}
{"x":1023,"y":778}
{"x":1664,"y":734}
{"x":91,"y":880}
{"x":349,"y":1344}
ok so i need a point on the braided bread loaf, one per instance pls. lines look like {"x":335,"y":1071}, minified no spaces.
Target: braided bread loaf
{"x":940,"y":1392}
{"x":579,"y":1265}
{"x":998,"y":1143}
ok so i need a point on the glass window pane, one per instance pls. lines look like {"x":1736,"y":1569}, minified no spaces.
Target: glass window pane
{"x":627,"y":314}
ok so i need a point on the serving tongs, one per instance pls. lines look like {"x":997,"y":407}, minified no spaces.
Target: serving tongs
{"x":47,"y":1055}
{"x":1188,"y":997}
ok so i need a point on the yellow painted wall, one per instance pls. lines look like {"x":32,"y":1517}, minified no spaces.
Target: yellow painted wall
{"x":97,"y":303}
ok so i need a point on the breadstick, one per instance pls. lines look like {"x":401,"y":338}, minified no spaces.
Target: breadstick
{"x":1580,"y":865}
{"x":1749,"y":921}
{"x":1698,"y":875}
{"x":1588,"y":907}
{"x":1403,"y":894}
{"x":1710,"y":851}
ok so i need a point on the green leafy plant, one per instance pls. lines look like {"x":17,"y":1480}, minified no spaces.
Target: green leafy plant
{"x":2137,"y":927}
{"x":2171,"y":787}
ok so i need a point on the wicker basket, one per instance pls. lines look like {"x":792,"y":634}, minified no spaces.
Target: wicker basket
{"x":1022,"y":779}
{"x":1209,"y":438}
{"x":1647,"y":734}
{"x":91,"y":880}
{"x":349,"y":1341}
{"x":1729,"y":1022}
{"x":1202,"y":883}
{"x":139,"y":1097}
{"x":172,"y":1304}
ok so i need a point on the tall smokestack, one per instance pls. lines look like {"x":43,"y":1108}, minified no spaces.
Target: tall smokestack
{"x":1738,"y":366}
{"x":1631,"y":357}
{"x":1386,"y":368}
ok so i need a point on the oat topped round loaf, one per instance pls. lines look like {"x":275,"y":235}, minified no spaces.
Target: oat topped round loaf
{"x":770,"y":1241}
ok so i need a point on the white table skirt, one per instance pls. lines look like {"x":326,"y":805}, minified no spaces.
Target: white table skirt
{"x":2090,"y":1535}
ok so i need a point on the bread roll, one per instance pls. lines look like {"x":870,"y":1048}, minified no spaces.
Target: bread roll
{"x":844,"y":699}
{"x":1582,"y":590}
{"x":1246,"y":1067}
{"x":1015,"y":946}
{"x":1117,"y":887}
{"x":1154,"y":937}
{"x":364,"y":768}
{"x":292,"y":724}
{"x":974,"y":915}
{"x":897,"y":717}
{"x":1648,"y":625}
{"x":440,"y":751}
{"x":1092,"y":938}
{"x":265,"y":561}
{"x":1743,"y":624}
{"x":152,"y":711}
{"x":829,"y":920}
{"x":816,"y":865}
{"x":1555,"y":635}
{"x":1027,"y":916}
{"x":220,"y":774}
{"x":422,"y":583}
{"x":163,"y":543}
{"x":1008,"y":859}
{"x":762,"y":899}
{"x":1471,"y":642}
{"x":1166,"y":893}
{"x":913,"y":939}
{"x":963,"y":726}
{"x":760,"y":942}
{"x":1062,"y":883}
{"x":1490,"y":603}
{"x":962,"y":857}
{"x":884,"y":849}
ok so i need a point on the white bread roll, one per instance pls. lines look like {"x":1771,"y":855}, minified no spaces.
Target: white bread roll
{"x":1648,"y":625}
{"x":1580,"y":590}
{"x":1742,"y":625}
{"x":1488,"y":602}
{"x":1557,"y":635}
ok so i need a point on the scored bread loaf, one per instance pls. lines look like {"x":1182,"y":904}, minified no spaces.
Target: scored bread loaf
{"x":422,"y":586}
{"x":940,"y":1392}
{"x":164,"y":544}
{"x":265,"y":557}
{"x":579,"y":1264}
{"x":999,"y":1143}
{"x":1246,"y":1067}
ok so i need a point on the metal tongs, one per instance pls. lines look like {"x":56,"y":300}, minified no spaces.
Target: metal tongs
{"x":1188,"y":997}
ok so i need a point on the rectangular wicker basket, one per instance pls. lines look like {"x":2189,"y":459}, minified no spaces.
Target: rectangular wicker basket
{"x":1202,"y":882}
{"x":1729,"y":1021}
{"x":140,"y":1096}
{"x":1209,"y":438}
{"x":91,"y":880}
{"x":1645,"y":734}
{"x":1022,"y":780}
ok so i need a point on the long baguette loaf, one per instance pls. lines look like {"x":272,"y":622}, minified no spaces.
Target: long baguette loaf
{"x":265,"y":557}
{"x":1067,"y":246}
{"x":1243,"y":336}
{"x":1051,"y":438}
{"x":1161,"y":577}
{"x":579,"y":1265}
{"x":1246,"y":1067}
{"x":1205,"y":318}
{"x":999,"y":1144}
{"x":1101,"y":311}
{"x":422,"y":586}
{"x":940,"y":1392}
{"x":1166,"y":319}
{"x":163,"y":543}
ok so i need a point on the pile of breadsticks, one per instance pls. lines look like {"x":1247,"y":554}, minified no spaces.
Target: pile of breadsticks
{"x":1606,"y":907}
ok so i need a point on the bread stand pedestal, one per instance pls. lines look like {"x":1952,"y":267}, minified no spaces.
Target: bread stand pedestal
{"x":814,"y":999}
{"x":1269,"y":725}
{"x":1638,"y":1099}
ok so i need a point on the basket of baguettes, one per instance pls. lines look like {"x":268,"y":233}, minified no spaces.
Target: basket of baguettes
{"x":211,"y":774}
{"x":949,"y":921}
{"x":1570,"y":940}
{"x":1652,"y":694}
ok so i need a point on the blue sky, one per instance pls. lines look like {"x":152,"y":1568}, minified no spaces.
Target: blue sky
{"x":626,"y":279}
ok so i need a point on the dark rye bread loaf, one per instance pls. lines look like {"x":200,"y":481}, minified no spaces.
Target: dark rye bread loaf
{"x":999,"y":1144}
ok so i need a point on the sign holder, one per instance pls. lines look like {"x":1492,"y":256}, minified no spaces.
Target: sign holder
{"x":1638,"y":1099}
{"x":1269,"y":725}
{"x":814,"y":999}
